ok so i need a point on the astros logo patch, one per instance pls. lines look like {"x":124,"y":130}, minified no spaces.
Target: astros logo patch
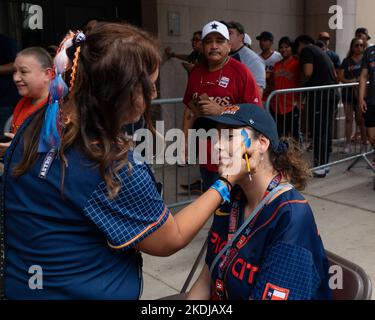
{"x":230,"y":110}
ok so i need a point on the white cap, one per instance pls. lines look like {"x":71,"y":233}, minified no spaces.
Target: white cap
{"x":247,"y":39}
{"x":215,"y":26}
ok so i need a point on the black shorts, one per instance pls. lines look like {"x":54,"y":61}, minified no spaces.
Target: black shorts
{"x":370,"y":117}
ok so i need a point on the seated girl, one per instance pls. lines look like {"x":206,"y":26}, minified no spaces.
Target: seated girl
{"x":263,"y":243}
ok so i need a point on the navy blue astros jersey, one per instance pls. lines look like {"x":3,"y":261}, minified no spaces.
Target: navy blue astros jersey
{"x":280,"y":257}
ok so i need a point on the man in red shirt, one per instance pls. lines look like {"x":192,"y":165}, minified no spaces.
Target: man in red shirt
{"x":285,"y":108}
{"x":222,"y":81}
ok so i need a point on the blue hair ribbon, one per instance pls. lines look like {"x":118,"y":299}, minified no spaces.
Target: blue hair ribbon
{"x":50,"y":135}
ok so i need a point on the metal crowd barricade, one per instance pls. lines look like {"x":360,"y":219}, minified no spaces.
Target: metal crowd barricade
{"x":321,"y":120}
{"x":174,"y":176}
{"x":315,"y":116}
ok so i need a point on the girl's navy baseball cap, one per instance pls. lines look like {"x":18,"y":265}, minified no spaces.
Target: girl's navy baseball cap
{"x":250,"y":115}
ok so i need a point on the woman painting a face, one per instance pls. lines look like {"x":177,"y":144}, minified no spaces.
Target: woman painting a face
{"x":265,"y":233}
{"x":72,"y":186}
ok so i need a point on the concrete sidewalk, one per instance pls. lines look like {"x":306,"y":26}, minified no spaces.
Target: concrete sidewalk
{"x":344,"y":209}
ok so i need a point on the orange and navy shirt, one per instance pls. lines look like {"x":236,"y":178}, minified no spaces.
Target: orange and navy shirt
{"x":283,"y":257}
{"x":84,"y":242}
{"x":23,"y":110}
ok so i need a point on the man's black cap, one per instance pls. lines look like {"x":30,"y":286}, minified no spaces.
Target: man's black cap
{"x":364,"y":31}
{"x":250,"y":115}
{"x":265,"y":35}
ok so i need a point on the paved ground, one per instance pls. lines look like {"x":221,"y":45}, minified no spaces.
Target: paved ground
{"x":344,"y":208}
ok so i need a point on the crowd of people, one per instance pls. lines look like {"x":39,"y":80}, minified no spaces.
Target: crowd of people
{"x":77,"y":204}
{"x":304,"y":62}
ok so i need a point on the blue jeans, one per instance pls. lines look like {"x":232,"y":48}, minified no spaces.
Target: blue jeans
{"x":208,"y":178}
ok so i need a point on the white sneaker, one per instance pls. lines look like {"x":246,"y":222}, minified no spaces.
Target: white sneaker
{"x":320,"y":173}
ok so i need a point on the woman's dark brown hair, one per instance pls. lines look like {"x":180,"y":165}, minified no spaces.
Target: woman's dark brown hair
{"x":290,"y":163}
{"x":351,"y":48}
{"x":112,"y":88}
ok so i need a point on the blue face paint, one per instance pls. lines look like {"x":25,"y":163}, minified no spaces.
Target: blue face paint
{"x":246,"y":139}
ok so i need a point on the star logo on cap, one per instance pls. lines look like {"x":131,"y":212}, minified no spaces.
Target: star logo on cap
{"x":214,"y":26}
{"x":251,"y":121}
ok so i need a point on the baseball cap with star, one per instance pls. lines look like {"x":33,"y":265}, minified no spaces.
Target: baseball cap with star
{"x":215,"y":26}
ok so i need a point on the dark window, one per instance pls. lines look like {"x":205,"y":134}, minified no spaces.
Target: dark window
{"x":45,"y":22}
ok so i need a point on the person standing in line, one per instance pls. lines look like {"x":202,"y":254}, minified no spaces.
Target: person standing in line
{"x":350,"y":71}
{"x":326,"y":38}
{"x":194,"y":57}
{"x":318,"y":70}
{"x":286,"y":108}
{"x":367,"y":94}
{"x":220,"y":81}
{"x":362,"y":33}
{"x":242,"y":53}
{"x":269,"y":57}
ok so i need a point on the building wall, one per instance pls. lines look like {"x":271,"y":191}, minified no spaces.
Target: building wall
{"x":345,"y":35}
{"x":365,"y":16}
{"x":282,"y":17}
{"x":317,"y":18}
